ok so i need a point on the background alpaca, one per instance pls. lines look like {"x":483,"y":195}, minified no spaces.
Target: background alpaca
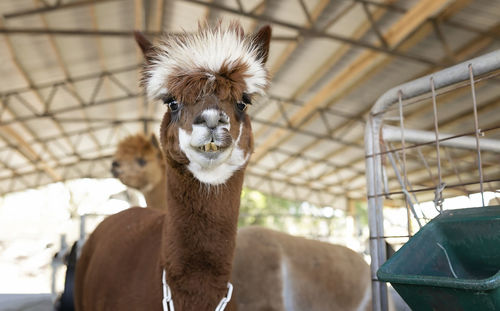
{"x":277,"y":271}
{"x":206,"y":79}
{"x":138,"y":163}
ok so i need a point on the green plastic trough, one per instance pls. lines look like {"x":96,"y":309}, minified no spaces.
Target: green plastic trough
{"x":452,"y":263}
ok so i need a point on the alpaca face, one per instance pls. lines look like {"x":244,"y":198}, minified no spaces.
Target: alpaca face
{"x":207,"y":79}
{"x":213,"y":136}
{"x":138,"y":163}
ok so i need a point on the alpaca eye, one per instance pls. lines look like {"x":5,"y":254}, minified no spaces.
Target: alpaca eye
{"x":173,"y":105}
{"x":246,"y":99}
{"x":244,"y":102}
{"x":141,"y":161}
{"x":241,"y":106}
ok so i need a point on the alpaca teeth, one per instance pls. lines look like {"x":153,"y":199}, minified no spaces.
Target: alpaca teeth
{"x":210,"y":147}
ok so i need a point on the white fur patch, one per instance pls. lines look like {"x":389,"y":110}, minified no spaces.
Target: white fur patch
{"x":207,"y":51}
{"x":216,"y":171}
{"x":212,"y":118}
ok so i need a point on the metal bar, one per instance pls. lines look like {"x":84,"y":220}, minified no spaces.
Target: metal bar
{"x":461,"y":54}
{"x":449,"y":76}
{"x":317,"y":34}
{"x":73,"y":80}
{"x":448,"y":22}
{"x":112,"y":100}
{"x":391,"y":133}
{"x":438,"y":200}
{"x":291,"y":184}
{"x":298,"y":130}
{"x":373,"y":23}
{"x":455,"y":169}
{"x":51,"y":8}
{"x":240,"y":5}
{"x":327,"y":162}
{"x":477,"y":132}
{"x":466,"y":169}
{"x":338,"y":16}
{"x":333,"y":111}
{"x":409,"y":184}
{"x":373,"y":166}
{"x":384,"y":5}
{"x":441,"y":140}
{"x":63,"y":166}
{"x":355,"y":161}
{"x":306,"y":13}
{"x":408,"y":201}
{"x":405,"y":177}
{"x":426,"y":164}
{"x":444,"y":43}
{"x":102,"y":33}
{"x":426,"y":189}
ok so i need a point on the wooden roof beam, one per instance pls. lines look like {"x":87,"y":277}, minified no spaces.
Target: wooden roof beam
{"x":100,"y":52}
{"x":323,"y":68}
{"x":469,"y":49}
{"x":67,"y":76}
{"x":292,"y":46}
{"x":367,"y":60}
{"x":416,"y":37}
{"x":12,"y":133}
{"x":29,"y":153}
{"x":316,"y":33}
{"x":55,"y":7}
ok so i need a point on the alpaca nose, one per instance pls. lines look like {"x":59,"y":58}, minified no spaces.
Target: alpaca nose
{"x":212,"y":118}
{"x":115,"y":164}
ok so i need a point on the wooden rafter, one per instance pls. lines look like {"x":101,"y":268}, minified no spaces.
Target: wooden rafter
{"x":420,"y":34}
{"x":292,"y":46}
{"x":469,"y":49}
{"x":367,"y":60}
{"x":258,"y":9}
{"x":28,"y":152}
{"x":140,"y":23}
{"x":334,"y":58}
{"x":31,"y":154}
{"x":100,"y":52}
{"x":67,"y":76}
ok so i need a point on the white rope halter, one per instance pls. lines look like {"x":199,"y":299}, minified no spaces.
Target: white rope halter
{"x":168,"y":302}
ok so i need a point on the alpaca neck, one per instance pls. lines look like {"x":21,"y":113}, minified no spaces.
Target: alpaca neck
{"x":199,"y":239}
{"x":155,"y":198}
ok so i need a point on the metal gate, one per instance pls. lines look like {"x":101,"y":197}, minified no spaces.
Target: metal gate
{"x":431,"y":139}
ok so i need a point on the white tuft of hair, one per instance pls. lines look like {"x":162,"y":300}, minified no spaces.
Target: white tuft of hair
{"x":206,"y":50}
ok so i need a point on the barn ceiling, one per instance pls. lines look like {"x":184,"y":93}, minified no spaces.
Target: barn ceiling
{"x":69,"y":90}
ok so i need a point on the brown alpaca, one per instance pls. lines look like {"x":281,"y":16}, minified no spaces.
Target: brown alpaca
{"x":138,"y":163}
{"x":274,"y":270}
{"x":277,"y":271}
{"x":206,"y":79}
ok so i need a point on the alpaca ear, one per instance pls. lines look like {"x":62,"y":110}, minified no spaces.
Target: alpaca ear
{"x":143,"y":42}
{"x":154,"y":141}
{"x":262,"y":39}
